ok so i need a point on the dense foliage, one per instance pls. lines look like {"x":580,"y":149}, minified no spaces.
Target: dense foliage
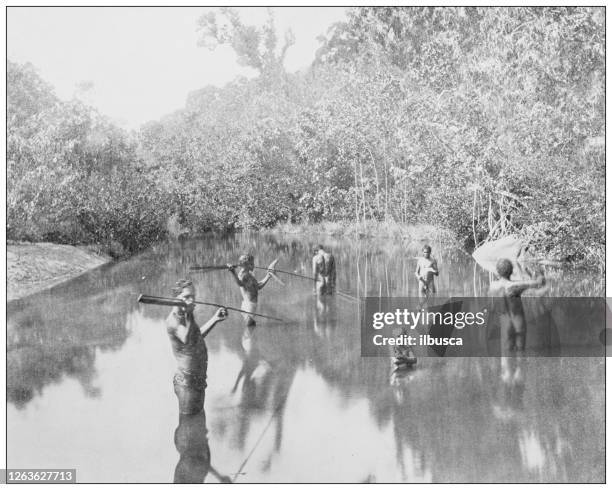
{"x":487,"y":121}
{"x":72,"y":176}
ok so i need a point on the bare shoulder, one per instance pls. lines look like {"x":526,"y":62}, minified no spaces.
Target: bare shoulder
{"x":497,"y":288}
{"x":172,"y":323}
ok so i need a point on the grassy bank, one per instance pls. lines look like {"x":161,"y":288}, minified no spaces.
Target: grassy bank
{"x":370,"y":229}
{"x":33,"y":267}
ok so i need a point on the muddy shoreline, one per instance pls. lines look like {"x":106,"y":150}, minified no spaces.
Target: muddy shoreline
{"x":34,"y":267}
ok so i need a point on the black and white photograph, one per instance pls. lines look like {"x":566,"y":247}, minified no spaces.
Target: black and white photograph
{"x":305,"y":244}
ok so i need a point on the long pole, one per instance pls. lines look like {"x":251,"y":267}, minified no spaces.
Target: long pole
{"x":225,"y":267}
{"x":208,"y":267}
{"x":221,"y":267}
{"x":159,"y":300}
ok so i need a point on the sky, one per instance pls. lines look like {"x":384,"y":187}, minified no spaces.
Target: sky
{"x":143,"y":61}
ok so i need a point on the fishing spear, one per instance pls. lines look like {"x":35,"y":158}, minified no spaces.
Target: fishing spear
{"x":159,"y":300}
{"x":222,"y":267}
{"x":271,"y":270}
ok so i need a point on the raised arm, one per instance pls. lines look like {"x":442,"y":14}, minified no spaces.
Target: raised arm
{"x":219,"y":316}
{"x":232,"y":269}
{"x":517,"y":287}
{"x":264,"y":281}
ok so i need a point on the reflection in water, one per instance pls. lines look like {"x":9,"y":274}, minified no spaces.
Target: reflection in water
{"x":263,"y":383}
{"x":513,"y":375}
{"x":191,"y":441}
{"x":325,"y":314}
{"x":57,"y":332}
{"x":255,"y":372}
{"x":46,"y":342}
{"x":531,"y":445}
{"x":283,"y":399}
{"x":468,"y":428}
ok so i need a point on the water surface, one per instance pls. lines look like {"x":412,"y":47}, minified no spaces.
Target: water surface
{"x":90,"y":380}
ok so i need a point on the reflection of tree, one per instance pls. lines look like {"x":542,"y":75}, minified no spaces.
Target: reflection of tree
{"x":40,"y":367}
{"x":56,"y":333}
{"x":38,"y":355}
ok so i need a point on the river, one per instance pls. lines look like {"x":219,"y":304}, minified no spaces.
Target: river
{"x":89,"y":380}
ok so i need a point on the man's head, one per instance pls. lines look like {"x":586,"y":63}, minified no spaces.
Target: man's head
{"x":318,"y":250}
{"x":426,"y":251}
{"x":246,"y":261}
{"x":504,"y":268}
{"x":185,"y":290}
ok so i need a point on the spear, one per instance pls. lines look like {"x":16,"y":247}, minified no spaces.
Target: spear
{"x":222,"y":267}
{"x":159,"y":300}
{"x":340,"y":293}
{"x":270,"y":269}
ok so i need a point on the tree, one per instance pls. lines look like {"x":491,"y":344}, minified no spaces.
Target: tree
{"x":27,"y":94}
{"x":255,"y":47}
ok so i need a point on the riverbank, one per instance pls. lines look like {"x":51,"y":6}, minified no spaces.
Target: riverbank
{"x":427,"y":233}
{"x":33,"y":267}
{"x":370,"y":229}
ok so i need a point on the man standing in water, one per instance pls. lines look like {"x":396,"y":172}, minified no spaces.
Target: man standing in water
{"x":249,"y":286}
{"x":189,"y":348}
{"x":512,"y":316}
{"x":426,"y":269}
{"x":324,"y":271}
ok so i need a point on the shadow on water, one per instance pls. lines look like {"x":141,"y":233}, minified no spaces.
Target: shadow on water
{"x":286,"y":397}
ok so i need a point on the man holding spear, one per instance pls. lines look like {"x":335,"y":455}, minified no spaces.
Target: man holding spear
{"x":249,"y":285}
{"x":189,"y":348}
{"x":187,"y":340}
